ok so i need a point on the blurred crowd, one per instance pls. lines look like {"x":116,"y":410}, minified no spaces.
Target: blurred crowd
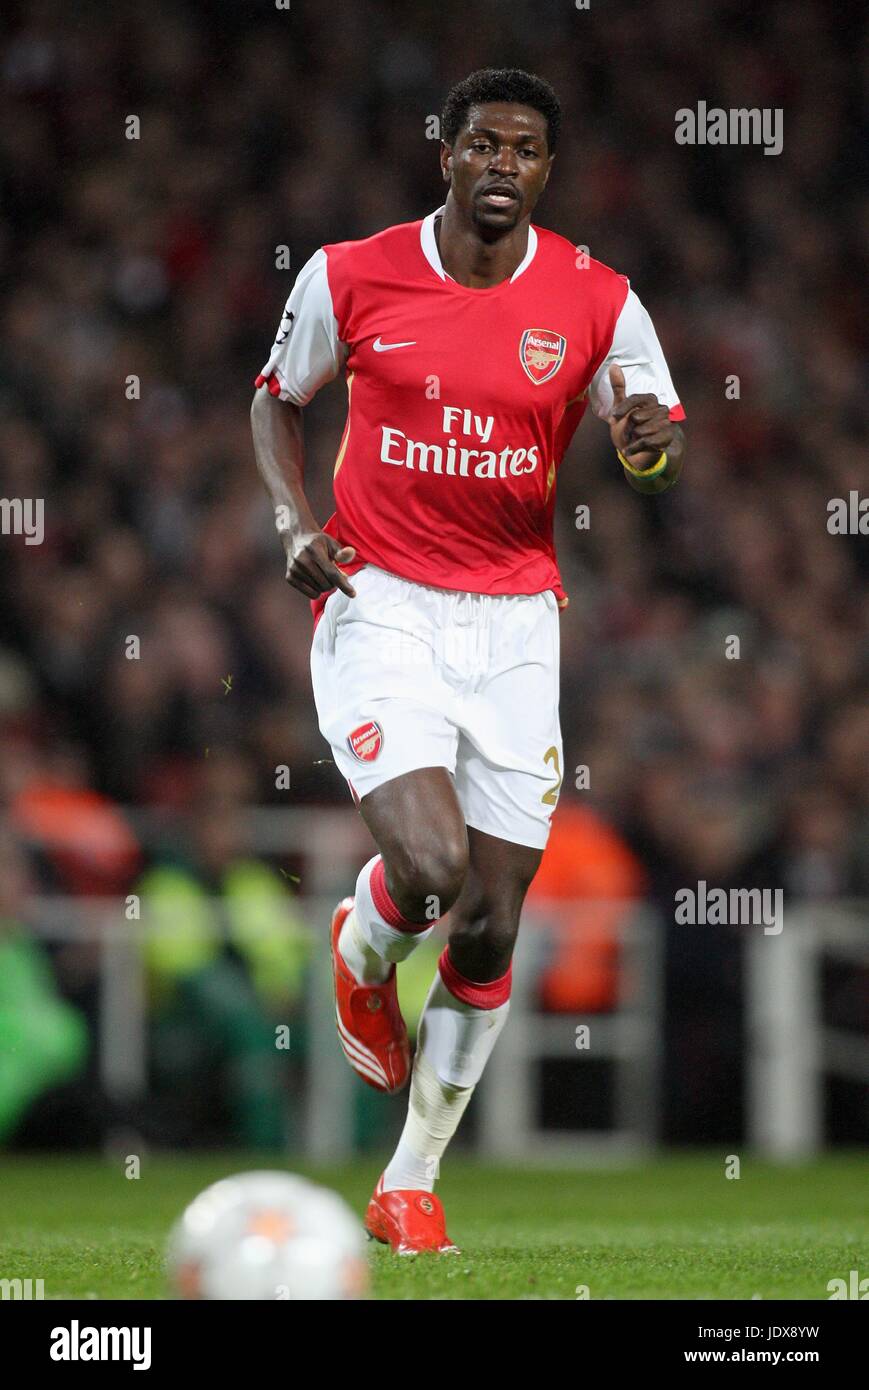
{"x":139,"y":298}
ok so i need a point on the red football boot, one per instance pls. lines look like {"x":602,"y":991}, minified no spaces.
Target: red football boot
{"x":408,"y":1221}
{"x":371,"y":1029}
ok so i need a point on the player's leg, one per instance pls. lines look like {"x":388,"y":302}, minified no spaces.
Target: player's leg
{"x":507,"y":781}
{"x":463,"y":1017}
{"x":401,"y":894}
{"x":484,"y":922}
{"x":467,"y":1005}
{"x":403,"y":891}
{"x":384,"y":707}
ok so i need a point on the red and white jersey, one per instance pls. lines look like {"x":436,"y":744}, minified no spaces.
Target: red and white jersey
{"x":461,"y":402}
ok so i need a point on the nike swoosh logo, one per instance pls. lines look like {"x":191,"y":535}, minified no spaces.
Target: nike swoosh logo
{"x":389,"y":347}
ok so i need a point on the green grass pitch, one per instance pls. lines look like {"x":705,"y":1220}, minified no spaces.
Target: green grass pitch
{"x":675,"y":1228}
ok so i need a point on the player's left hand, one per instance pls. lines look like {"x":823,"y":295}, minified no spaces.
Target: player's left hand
{"x":640,"y":426}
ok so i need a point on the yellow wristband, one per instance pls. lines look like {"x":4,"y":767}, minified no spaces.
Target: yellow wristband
{"x":650,"y":472}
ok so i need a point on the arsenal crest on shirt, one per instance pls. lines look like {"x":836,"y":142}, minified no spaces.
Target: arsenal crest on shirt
{"x":541,"y":353}
{"x":366,"y":741}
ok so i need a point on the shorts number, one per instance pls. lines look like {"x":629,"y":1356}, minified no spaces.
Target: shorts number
{"x":550,"y":798}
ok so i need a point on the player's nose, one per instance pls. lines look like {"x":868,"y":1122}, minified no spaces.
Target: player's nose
{"x":504,"y":163}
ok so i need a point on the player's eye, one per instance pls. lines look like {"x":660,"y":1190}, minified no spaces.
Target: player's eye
{"x":481,"y":146}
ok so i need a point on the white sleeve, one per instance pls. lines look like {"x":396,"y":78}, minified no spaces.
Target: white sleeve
{"x":307,"y":351}
{"x":635,"y":348}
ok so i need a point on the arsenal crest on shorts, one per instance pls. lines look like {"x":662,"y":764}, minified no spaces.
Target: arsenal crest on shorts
{"x":541,"y":353}
{"x":366,"y":741}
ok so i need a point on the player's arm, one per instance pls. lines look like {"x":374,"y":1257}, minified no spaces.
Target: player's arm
{"x":633,"y":391}
{"x":306,"y":354}
{"x":312,"y":555}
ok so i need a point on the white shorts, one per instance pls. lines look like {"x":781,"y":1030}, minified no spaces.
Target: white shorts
{"x":408,"y":676}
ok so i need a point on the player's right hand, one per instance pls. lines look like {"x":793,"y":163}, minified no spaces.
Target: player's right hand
{"x":310,"y":567}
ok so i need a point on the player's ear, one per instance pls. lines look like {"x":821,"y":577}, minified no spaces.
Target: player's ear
{"x":548,"y":170}
{"x":446,"y":161}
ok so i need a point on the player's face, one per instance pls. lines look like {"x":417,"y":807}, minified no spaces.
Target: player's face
{"x":499,"y":164}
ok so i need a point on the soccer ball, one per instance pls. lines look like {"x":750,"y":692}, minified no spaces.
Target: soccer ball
{"x":267,"y":1236}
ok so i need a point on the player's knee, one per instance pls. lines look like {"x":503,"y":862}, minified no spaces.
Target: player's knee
{"x":481,"y":944}
{"x":428,"y":876}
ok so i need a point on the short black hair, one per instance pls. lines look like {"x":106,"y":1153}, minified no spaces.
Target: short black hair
{"x":501,"y":84}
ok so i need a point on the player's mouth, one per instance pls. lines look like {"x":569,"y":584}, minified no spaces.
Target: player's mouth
{"x":499,"y":195}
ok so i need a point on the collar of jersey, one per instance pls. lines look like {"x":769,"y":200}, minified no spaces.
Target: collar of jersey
{"x":429,"y":246}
